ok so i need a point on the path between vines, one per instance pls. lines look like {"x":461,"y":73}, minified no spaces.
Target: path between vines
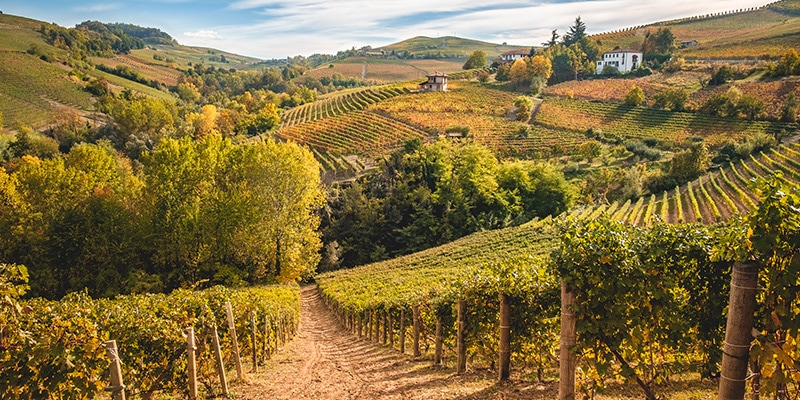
{"x":325,"y":361}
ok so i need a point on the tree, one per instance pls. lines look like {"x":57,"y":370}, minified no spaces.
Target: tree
{"x":590,"y":149}
{"x":691,"y":163}
{"x":576,"y":32}
{"x":553,"y":38}
{"x":722,"y":75}
{"x":519,"y":73}
{"x":788,"y":65}
{"x":661,"y":42}
{"x":751,"y":106}
{"x":541,"y":66}
{"x":476,"y":60}
{"x":503,"y":72}
{"x":524,"y":105}
{"x":635,"y":97}
{"x":788,"y":112}
{"x":672,"y":99}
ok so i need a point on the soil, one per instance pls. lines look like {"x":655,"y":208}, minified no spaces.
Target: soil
{"x":325,"y":361}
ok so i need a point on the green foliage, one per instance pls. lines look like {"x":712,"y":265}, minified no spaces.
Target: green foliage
{"x":476,"y":60}
{"x":752,"y":107}
{"x":770,"y":236}
{"x":427,"y":195}
{"x":643,"y":297}
{"x":661,"y":42}
{"x":788,"y":65}
{"x":576,"y":33}
{"x":789,"y":108}
{"x":635,"y":97}
{"x":671,"y":99}
{"x":590,"y":149}
{"x":691,"y":163}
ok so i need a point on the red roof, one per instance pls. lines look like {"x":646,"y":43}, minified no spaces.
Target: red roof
{"x":523,"y":52}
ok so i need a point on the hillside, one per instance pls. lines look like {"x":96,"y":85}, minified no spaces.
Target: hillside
{"x":765,"y":32}
{"x":444,"y":47}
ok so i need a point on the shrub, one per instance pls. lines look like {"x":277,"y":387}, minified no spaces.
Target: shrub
{"x":635,"y":97}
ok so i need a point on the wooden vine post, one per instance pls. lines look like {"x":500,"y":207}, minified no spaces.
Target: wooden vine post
{"x":266,"y":350}
{"x":390,"y":323}
{"x":232,"y":329}
{"x":416,"y":329}
{"x":439,"y":341}
{"x":370,"y":323}
{"x":220,"y":363}
{"x":360,"y":325}
{"x":117,"y":387}
{"x":567,"y":360}
{"x":255,"y":342}
{"x":461,"y":349}
{"x":376,"y":324}
{"x":191,"y":368}
{"x":738,"y":336}
{"x":402,"y":333}
{"x":505,"y":338}
{"x":385,"y":327}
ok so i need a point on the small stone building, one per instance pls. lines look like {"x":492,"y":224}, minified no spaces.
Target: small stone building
{"x":435,"y":83}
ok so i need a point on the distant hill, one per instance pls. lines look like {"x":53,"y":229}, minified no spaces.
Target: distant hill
{"x":445,"y":47}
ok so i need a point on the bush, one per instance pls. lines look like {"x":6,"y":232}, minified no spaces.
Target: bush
{"x":635,"y":97}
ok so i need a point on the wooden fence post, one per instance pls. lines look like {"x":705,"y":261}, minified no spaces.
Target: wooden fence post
{"x":220,"y":363}
{"x":117,"y":387}
{"x":738,"y":336}
{"x":416,"y":329}
{"x":232,"y":329}
{"x":402,"y":331}
{"x":437,"y":354}
{"x":567,"y":360}
{"x":255,"y":342}
{"x":192,"y":363}
{"x":505,"y":338}
{"x":360,"y":325}
{"x":370,"y":323}
{"x":461,"y":348}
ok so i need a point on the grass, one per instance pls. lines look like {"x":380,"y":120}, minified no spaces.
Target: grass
{"x":448,"y":45}
{"x":382,"y":70}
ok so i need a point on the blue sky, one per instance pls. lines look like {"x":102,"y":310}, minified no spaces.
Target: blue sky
{"x":281,"y":28}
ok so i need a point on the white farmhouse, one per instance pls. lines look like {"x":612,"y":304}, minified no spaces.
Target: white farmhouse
{"x":624,"y":60}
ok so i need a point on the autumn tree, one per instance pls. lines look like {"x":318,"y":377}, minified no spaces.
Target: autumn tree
{"x":751,"y":106}
{"x":476,"y":60}
{"x":635,"y":96}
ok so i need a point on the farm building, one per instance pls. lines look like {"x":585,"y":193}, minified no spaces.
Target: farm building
{"x":513,"y":55}
{"x":435,"y":83}
{"x":623,"y":60}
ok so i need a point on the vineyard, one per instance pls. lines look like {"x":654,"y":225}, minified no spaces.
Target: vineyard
{"x":355,"y":132}
{"x":30,"y":87}
{"x":150,"y":71}
{"x":339,"y":103}
{"x":57,"y":347}
{"x":641,"y":122}
{"x":428,"y":286}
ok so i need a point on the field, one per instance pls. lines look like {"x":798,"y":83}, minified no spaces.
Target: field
{"x":32,"y":90}
{"x":447,"y":45}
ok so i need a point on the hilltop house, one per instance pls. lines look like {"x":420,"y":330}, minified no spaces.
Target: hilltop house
{"x":513,"y":55}
{"x":435,"y":83}
{"x":625,"y":60}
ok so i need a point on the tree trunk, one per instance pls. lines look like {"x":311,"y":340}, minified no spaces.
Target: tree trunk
{"x":738,"y":335}
{"x":437,"y":355}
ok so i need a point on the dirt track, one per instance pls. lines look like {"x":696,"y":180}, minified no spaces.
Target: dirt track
{"x":324,"y":361}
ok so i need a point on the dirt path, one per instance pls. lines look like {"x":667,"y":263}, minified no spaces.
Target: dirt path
{"x":324,"y":361}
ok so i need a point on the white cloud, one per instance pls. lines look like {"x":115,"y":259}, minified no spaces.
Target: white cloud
{"x":289,"y":27}
{"x":203,"y":35}
{"x":97,"y":8}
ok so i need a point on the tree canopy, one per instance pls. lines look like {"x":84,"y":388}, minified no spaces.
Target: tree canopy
{"x":476,"y":60}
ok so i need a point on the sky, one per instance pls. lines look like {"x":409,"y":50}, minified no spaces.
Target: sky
{"x":280,"y":28}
